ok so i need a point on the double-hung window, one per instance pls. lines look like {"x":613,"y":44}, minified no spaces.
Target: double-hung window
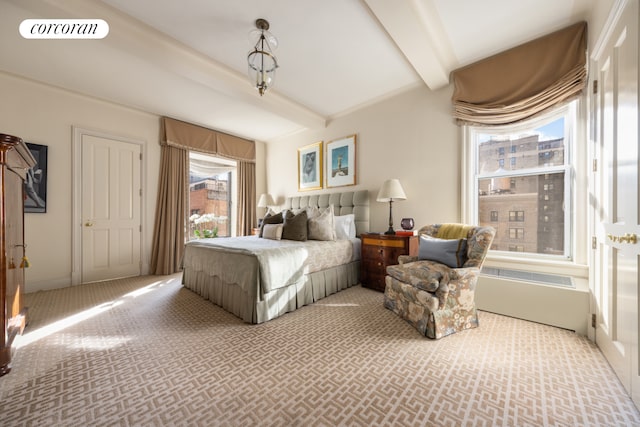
{"x":529,"y":197}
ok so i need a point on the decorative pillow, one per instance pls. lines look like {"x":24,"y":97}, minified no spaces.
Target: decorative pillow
{"x":295,"y":226}
{"x":345,"y":226}
{"x":312,"y":212}
{"x":271,"y":212}
{"x":322,"y":226}
{"x":272,"y":231}
{"x":271,"y":219}
{"x":450,"y":252}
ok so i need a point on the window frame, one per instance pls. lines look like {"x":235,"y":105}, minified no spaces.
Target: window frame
{"x":232,"y":179}
{"x":574,"y":261}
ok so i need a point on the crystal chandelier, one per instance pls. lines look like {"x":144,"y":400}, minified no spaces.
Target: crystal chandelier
{"x":262,"y":62}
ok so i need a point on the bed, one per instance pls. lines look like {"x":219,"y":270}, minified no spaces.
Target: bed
{"x":259,"y":279}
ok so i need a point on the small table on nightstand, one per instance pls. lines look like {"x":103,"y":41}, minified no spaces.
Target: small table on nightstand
{"x":379,"y":251}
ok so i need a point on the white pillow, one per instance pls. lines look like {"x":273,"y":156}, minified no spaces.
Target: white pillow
{"x":272,"y":231}
{"x":345,"y":226}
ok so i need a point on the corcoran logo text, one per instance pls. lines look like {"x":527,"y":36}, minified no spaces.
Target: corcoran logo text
{"x":64,"y":29}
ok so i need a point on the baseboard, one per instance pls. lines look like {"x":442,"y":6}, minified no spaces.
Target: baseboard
{"x":47,"y":285}
{"x":563,"y":307}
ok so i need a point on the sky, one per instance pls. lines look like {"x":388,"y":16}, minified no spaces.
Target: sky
{"x":553,"y":130}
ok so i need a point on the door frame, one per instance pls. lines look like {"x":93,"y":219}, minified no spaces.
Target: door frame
{"x":76,"y":196}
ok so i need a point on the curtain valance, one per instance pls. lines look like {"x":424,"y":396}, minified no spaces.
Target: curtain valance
{"x":524,"y":81}
{"x":197,"y":138}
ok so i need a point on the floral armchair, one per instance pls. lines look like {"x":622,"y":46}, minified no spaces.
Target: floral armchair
{"x":436,"y":298}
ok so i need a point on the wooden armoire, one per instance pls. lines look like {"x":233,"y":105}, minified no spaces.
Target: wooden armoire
{"x":15,"y":161}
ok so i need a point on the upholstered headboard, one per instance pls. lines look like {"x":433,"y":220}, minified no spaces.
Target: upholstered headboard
{"x":355,"y":202}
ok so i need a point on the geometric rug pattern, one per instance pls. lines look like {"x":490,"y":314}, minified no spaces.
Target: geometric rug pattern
{"x":147,"y":352}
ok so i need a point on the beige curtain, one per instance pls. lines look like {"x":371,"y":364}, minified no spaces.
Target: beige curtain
{"x":177,"y":138}
{"x":171,"y":208}
{"x":191,"y":137}
{"x":247,"y":217}
{"x":519,"y":83}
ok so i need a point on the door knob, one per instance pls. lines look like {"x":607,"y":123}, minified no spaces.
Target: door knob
{"x":88,"y":224}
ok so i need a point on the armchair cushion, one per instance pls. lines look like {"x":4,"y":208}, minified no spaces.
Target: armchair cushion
{"x":425,"y":275}
{"x":451,"y":252}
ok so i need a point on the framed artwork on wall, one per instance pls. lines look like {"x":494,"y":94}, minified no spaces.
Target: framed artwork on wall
{"x":36,"y":182}
{"x":310,"y":167}
{"x":341,"y":162}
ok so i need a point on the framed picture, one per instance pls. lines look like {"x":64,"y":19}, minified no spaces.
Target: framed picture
{"x":36,"y":183}
{"x":310,"y":167}
{"x":341,"y":162}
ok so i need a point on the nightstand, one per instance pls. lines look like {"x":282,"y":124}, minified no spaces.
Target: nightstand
{"x":255,"y":231}
{"x":379,"y":251}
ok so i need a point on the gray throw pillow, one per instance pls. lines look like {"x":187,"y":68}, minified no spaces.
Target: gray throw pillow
{"x":271,"y":219}
{"x":295,"y":226}
{"x":450,"y":252}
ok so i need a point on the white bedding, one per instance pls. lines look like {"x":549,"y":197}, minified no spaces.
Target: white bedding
{"x":281,"y":262}
{"x":236,"y":274}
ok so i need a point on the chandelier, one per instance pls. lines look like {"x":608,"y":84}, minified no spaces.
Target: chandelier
{"x":262,"y":62}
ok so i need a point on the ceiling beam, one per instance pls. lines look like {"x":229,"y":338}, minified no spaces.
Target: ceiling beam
{"x":417,"y":31}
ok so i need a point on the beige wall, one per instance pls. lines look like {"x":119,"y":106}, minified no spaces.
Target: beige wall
{"x":45,"y":115}
{"x":42,"y":114}
{"x":411,"y":137}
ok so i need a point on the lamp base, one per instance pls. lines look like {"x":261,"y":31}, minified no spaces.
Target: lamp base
{"x":390,"y":231}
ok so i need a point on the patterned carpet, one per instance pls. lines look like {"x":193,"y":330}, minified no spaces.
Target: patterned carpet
{"x":147,"y":352}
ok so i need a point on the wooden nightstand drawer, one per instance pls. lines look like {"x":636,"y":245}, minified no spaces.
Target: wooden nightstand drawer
{"x":377,"y":241}
{"x":374,"y":266}
{"x":380,"y":251}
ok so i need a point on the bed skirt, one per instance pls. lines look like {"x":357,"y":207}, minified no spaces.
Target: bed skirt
{"x":254,"y":308}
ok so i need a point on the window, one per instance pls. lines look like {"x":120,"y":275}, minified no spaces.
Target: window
{"x":540,"y":181}
{"x":516,"y":216}
{"x":210,"y":196}
{"x":516,"y":233}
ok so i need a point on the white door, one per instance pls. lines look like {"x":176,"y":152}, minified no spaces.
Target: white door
{"x":615,"y":200}
{"x":111,"y":197}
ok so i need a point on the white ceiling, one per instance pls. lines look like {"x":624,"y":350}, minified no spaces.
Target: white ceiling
{"x":187,"y":59}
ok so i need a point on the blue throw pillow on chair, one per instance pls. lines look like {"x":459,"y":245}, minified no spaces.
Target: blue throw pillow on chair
{"x":450,"y":252}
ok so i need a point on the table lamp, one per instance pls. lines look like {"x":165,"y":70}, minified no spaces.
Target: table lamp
{"x":264,"y":202}
{"x":391,"y":190}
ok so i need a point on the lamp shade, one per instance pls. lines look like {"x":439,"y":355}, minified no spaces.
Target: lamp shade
{"x":391,"y":190}
{"x":266,"y":200}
